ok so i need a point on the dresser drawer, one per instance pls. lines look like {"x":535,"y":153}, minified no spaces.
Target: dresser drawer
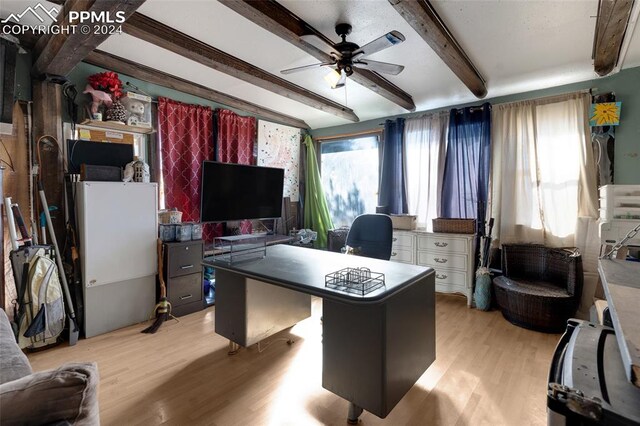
{"x":185,"y":289}
{"x":437,"y":242}
{"x":400,"y":254}
{"x":448,"y":277}
{"x":441,"y":259}
{"x":403,"y":239}
{"x":184,"y":259}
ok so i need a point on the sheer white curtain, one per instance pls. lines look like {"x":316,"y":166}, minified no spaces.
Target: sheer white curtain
{"x":542,"y":171}
{"x":425,"y":141}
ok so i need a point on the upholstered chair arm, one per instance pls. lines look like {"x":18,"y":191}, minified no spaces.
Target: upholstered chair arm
{"x":68,"y":394}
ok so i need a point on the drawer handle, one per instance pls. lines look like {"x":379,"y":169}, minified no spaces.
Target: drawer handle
{"x":188,"y":296}
{"x":441,"y":277}
{"x":395,"y":239}
{"x":439,"y":244}
{"x":438,"y":260}
{"x":186,"y":267}
{"x":394,"y":253}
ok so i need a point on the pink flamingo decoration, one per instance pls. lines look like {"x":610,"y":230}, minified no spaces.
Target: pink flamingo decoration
{"x":98,"y":97}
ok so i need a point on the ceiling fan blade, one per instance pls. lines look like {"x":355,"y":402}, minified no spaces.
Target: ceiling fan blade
{"x":306,"y":67}
{"x":381,"y":43}
{"x":342,"y":81}
{"x":377,"y":66}
{"x":321,"y":44}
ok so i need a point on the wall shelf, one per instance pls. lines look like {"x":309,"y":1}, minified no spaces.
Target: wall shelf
{"x":117,"y":126}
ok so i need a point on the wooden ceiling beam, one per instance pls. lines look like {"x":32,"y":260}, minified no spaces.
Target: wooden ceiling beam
{"x":150,"y":75}
{"x":611,"y":26}
{"x":161,"y":35}
{"x":277,"y":19}
{"x":60,"y":53}
{"x":421,"y":15}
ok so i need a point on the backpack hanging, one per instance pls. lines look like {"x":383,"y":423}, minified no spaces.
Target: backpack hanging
{"x":41,"y":314}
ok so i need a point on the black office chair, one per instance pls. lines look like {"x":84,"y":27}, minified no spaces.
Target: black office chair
{"x":371,"y":236}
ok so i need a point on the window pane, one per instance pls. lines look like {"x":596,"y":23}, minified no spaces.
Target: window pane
{"x":350,"y":177}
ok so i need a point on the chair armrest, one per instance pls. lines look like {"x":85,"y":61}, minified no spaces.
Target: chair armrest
{"x":69,"y":393}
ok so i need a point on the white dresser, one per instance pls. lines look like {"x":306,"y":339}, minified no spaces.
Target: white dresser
{"x":403,"y":248}
{"x":619,"y":212}
{"x":451,"y":255}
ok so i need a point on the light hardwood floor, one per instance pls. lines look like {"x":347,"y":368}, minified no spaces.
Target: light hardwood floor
{"x":487,"y":372}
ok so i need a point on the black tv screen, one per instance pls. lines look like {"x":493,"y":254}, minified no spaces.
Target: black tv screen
{"x":237,"y":192}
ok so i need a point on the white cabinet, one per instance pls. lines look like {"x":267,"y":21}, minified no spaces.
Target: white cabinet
{"x":451,"y":255}
{"x":118,"y":229}
{"x":403,"y":248}
{"x":619,"y":213}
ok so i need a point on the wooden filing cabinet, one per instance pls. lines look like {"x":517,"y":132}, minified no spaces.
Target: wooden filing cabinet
{"x":183,"y":276}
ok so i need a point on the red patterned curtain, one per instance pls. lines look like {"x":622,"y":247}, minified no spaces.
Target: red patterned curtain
{"x":235,"y":138}
{"x":186,"y":139}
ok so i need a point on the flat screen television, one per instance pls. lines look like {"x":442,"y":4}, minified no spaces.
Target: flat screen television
{"x":238,"y":192}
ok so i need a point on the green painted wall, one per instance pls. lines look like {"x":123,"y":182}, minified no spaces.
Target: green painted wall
{"x":625,"y":84}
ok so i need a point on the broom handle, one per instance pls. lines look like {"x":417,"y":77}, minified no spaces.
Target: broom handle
{"x":163,"y":286}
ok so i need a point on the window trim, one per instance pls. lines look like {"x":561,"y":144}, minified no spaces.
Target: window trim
{"x":355,"y":135}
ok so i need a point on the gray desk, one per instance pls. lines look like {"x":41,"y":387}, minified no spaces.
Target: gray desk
{"x":375,"y":347}
{"x":621,"y":282}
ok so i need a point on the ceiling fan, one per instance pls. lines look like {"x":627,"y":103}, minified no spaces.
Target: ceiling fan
{"x":346,"y":55}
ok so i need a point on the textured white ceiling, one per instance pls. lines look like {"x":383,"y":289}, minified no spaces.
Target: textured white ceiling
{"x":516,"y":45}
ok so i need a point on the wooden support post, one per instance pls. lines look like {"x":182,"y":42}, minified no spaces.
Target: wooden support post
{"x":47,"y":120}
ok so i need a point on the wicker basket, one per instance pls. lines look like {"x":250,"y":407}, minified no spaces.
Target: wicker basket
{"x":404,"y":221}
{"x":454,"y":226}
{"x":169,"y":216}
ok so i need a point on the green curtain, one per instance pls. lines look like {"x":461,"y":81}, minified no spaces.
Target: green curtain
{"x":316,"y":212}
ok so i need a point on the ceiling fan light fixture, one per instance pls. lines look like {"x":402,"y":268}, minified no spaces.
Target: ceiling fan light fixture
{"x":333,"y":77}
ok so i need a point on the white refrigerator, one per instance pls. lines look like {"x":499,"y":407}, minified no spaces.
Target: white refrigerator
{"x":118,"y":228}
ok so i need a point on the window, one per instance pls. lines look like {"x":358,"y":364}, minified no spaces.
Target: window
{"x":349,"y":169}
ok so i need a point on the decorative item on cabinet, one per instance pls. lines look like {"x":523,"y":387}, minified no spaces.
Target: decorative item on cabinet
{"x":105,"y":88}
{"x":183,"y":275}
{"x":138,"y":109}
{"x":170,"y":216}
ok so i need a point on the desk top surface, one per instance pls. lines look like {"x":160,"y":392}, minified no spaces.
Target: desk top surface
{"x":621,"y":282}
{"x":304,"y":270}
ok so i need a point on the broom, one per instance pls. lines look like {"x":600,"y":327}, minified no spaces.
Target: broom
{"x":163,"y":307}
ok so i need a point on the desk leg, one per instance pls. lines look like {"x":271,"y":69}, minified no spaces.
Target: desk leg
{"x":354,"y":414}
{"x":233,"y":348}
